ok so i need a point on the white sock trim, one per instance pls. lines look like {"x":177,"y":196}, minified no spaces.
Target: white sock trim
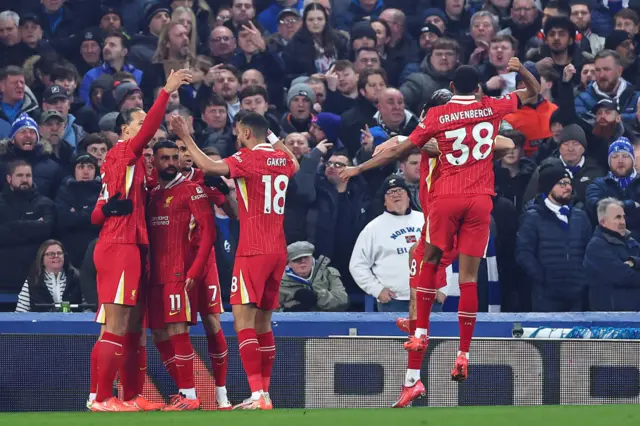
{"x":411,"y":377}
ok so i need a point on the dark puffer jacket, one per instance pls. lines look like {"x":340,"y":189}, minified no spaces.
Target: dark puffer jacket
{"x":606,"y":187}
{"x":551,"y":254}
{"x":419,"y":87}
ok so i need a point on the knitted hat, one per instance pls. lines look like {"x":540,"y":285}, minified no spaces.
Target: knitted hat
{"x":123,"y":90}
{"x":108,"y":123}
{"x":363,"y":29}
{"x":153,"y":9}
{"x":379,"y":135}
{"x":301,"y":89}
{"x":434,"y":12}
{"x":550,"y":174}
{"x":92,"y":34}
{"x":329,"y":124}
{"x":621,"y":144}
{"x":430,"y":28}
{"x":573,"y":132}
{"x":394,"y":181}
{"x":616,"y":38}
{"x":85,"y":159}
{"x":24,"y":122}
{"x":531,"y":67}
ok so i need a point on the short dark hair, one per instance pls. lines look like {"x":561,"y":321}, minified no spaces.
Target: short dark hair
{"x":65,"y":71}
{"x":344,"y":64}
{"x":254,"y":90}
{"x":118,"y":34}
{"x":122,"y":76}
{"x":181,"y":109}
{"x":232,"y":69}
{"x":211,"y":150}
{"x":343,"y":153}
{"x":627,"y":14}
{"x":239,"y":116}
{"x":365,"y":74}
{"x":562,"y":7}
{"x":445,"y":43}
{"x":508,"y":38}
{"x":164,"y":143}
{"x":560,"y":22}
{"x":214,"y":100}
{"x":516,"y":136}
{"x":11,"y":70}
{"x":366,"y":49}
{"x":125,"y":117}
{"x":93,"y":139}
{"x":13,"y":165}
{"x":257,"y":123}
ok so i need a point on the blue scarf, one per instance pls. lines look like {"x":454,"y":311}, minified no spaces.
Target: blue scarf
{"x":623,"y":182}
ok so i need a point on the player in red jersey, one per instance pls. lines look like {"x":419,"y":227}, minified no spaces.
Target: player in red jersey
{"x":262,"y":175}
{"x":177,"y":207}
{"x":209,"y":297}
{"x":121,"y":252}
{"x":459,"y":194}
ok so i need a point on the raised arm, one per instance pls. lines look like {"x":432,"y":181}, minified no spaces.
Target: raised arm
{"x":178,"y":126}
{"x":382,"y":159}
{"x":280,"y":146}
{"x":156,"y":113}
{"x":532,"y":89}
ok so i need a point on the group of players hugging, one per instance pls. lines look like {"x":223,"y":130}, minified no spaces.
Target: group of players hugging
{"x":156,"y":267}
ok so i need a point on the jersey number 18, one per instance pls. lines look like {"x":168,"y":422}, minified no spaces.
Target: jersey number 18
{"x":275,"y":191}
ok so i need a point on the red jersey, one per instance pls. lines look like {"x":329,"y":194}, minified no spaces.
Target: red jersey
{"x":123,"y":171}
{"x":215,"y":196}
{"x":174,"y":213}
{"x":262,"y":177}
{"x":465,"y":130}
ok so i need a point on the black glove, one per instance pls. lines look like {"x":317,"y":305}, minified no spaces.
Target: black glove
{"x":307,"y":298}
{"x":117,"y":207}
{"x":218,"y":183}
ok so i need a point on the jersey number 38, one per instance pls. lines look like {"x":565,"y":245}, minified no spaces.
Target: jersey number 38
{"x":482,"y":144}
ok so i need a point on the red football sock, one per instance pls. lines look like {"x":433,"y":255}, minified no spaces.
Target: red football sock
{"x":184,"y":360}
{"x":93,"y":385}
{"x":142,"y":368}
{"x":218,"y":353}
{"x":165,"y":349}
{"x":414,"y":361}
{"x":251,"y":357}
{"x":129,"y":368}
{"x":268,"y":355}
{"x":109,"y":359}
{"x":467,"y":309}
{"x":412,"y":326}
{"x":425,"y":295}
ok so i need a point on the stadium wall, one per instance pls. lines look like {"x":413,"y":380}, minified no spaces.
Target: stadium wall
{"x":46,"y":364}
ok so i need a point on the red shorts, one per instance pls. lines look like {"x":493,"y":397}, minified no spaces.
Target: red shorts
{"x":170,"y":303}
{"x":416,"y":264}
{"x":256,"y":279}
{"x":209,"y":298}
{"x":469,"y":218}
{"x":119,"y":269}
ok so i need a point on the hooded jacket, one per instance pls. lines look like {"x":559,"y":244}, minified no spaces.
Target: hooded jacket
{"x":29,"y":106}
{"x":625,"y":96}
{"x":419,"y":87}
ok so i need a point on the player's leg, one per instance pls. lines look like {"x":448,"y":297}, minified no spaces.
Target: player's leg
{"x":210,"y":307}
{"x":473,"y":240}
{"x":404,"y":324}
{"x":93,"y":375}
{"x":178,"y":317}
{"x":130,"y":368}
{"x":161,"y":340}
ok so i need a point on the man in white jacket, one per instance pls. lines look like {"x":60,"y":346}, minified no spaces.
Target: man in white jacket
{"x":380,"y":259}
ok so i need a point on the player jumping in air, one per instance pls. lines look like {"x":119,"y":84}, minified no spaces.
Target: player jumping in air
{"x":209,"y":297}
{"x":120,"y":254}
{"x":177,"y":207}
{"x":262,"y":175}
{"x":459,"y":193}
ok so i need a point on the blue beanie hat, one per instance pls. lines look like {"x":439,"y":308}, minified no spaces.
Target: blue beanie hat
{"x":379,"y":135}
{"x":434,"y":12}
{"x":329,"y":124}
{"x":621,"y":144}
{"x":24,"y":122}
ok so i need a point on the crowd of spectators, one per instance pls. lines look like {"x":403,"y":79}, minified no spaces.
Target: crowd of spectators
{"x":334,"y":79}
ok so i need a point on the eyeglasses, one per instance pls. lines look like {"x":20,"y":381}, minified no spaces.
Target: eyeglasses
{"x":564,"y":183}
{"x":336,"y":164}
{"x":394,"y":191}
{"x":53,"y":254}
{"x":221,"y":38}
{"x":223,"y":18}
{"x":289,"y":20}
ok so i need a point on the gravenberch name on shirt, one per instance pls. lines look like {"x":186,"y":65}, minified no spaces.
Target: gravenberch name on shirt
{"x":465,"y":115}
{"x":276,"y":162}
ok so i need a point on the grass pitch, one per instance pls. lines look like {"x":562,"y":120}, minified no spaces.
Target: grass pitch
{"x":618,"y":415}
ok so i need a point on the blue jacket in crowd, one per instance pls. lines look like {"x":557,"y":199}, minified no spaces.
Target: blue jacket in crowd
{"x":627,"y":101}
{"x":94,"y":73}
{"x":613,"y":285}
{"x":551,"y":254}
{"x":355,"y":13}
{"x":605,"y":187}
{"x":268,"y":18}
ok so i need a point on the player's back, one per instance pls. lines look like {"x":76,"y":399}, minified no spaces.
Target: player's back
{"x":466,"y":130}
{"x":124,"y":173}
{"x":262,"y":177}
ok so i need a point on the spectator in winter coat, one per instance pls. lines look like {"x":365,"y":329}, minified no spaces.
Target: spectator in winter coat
{"x":357,"y":11}
{"x":24,"y":144}
{"x":621,"y":183}
{"x":88,"y":277}
{"x":410,"y":168}
{"x":52,"y":279}
{"x":308,"y":284}
{"x":551,"y":244}
{"x":581,"y":18}
{"x":380,"y":260}
{"x":26,"y":221}
{"x":300,"y":100}
{"x":289,"y":22}
{"x":56,"y":98}
{"x":74,"y":203}
{"x":15,"y":98}
{"x":51,"y":131}
{"x":144,"y":45}
{"x":524,"y":26}
{"x":273,"y":16}
{"x":392,"y":116}
{"x":609,"y":84}
{"x":513,"y":171}
{"x":612,"y":262}
{"x":436,"y":71}
{"x":582,"y":169}
{"x":402,"y":49}
{"x":326,"y":126}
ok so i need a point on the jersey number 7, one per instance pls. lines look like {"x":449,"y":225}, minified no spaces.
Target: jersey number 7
{"x":481,"y":142}
{"x":275,"y":191}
